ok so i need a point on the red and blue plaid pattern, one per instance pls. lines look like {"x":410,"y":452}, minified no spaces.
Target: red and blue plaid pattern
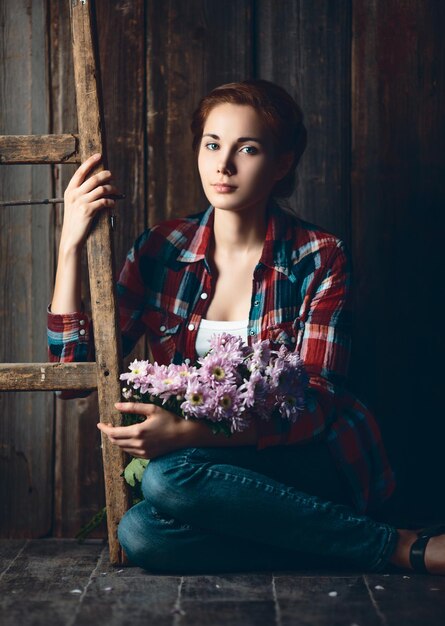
{"x":301,"y":297}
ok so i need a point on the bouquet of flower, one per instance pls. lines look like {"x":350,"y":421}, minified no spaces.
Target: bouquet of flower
{"x":226,"y":387}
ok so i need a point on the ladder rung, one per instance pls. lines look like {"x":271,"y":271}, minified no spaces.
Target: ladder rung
{"x":47,"y":376}
{"x":39,"y":149}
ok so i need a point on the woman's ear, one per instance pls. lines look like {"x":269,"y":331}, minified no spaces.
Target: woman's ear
{"x":284,"y":164}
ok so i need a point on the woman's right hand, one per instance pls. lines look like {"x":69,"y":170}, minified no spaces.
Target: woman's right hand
{"x":84,"y":198}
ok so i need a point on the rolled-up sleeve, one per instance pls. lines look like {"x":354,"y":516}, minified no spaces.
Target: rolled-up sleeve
{"x":69,"y":337}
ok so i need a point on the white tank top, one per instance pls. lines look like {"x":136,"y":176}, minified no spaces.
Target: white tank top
{"x":207,"y":328}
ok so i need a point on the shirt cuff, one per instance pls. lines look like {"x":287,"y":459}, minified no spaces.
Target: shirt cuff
{"x":69,"y":324}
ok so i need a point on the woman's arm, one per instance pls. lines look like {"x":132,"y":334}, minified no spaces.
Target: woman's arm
{"x":83,"y":199}
{"x":163,"y":432}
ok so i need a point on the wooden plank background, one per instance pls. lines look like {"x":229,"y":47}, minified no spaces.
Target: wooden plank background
{"x":369,"y":77}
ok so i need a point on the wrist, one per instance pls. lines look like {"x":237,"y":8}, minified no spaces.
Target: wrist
{"x":198,"y":433}
{"x":69,"y":251}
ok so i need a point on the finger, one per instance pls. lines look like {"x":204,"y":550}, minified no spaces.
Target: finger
{"x":100,"y":192}
{"x":82,"y":171}
{"x":140,"y":408}
{"x":101,"y":178}
{"x":128,"y":446}
{"x":123,"y":432}
{"x":102,"y":203}
{"x":106,"y":429}
{"x":136,"y":453}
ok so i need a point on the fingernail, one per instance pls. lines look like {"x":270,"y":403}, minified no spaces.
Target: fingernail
{"x":97,"y":156}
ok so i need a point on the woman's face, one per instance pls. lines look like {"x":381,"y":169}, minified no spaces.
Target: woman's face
{"x":236,"y":159}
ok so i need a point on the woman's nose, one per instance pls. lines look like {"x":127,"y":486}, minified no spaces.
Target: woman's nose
{"x":225,"y":167}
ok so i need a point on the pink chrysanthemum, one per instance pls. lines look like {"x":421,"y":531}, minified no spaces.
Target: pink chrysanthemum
{"x":226,"y":403}
{"x":227,"y":346}
{"x":217,"y":369}
{"x":232,"y":383}
{"x":198,"y":401}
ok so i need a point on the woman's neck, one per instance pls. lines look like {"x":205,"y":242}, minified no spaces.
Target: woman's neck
{"x":239,"y":234}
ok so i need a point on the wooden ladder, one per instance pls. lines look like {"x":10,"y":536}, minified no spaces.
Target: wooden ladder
{"x":104,"y":373}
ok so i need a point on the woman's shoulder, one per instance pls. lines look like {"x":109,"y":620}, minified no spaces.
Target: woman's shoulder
{"x":169,"y":237}
{"x":306,"y":237}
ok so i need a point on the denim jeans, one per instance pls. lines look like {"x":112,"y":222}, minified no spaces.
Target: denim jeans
{"x":210,"y":510}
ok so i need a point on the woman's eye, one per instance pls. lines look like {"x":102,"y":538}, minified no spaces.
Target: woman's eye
{"x":212,"y":146}
{"x":249,"y":150}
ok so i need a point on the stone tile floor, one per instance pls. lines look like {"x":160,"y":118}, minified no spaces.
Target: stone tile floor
{"x":61,"y":582}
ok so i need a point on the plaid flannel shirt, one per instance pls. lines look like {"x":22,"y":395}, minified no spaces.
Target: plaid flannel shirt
{"x":301,"y":298}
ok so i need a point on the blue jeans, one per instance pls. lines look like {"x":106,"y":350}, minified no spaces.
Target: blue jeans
{"x":210,"y":510}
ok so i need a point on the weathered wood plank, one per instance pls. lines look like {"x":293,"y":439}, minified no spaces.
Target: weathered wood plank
{"x":78,"y":477}
{"x":192,"y":47}
{"x":398,"y":192}
{"x":39,"y":149}
{"x":101,"y":269}
{"x":79,"y":489}
{"x":47,"y":376}
{"x":305,"y":47}
{"x":26,"y":420}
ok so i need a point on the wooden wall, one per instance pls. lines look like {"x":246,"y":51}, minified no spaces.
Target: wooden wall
{"x":369,"y":76}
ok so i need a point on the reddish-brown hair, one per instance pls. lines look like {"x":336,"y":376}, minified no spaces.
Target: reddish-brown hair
{"x":280,"y":114}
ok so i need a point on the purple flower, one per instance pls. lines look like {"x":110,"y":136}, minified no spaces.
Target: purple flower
{"x":226,"y":402}
{"x":216,"y":369}
{"x":290,"y":407}
{"x":197,"y":401}
{"x":232,"y":383}
{"x":227,"y":346}
{"x":255,"y":388}
{"x":139,"y":370}
{"x":169,"y":380}
{"x":260,"y":356}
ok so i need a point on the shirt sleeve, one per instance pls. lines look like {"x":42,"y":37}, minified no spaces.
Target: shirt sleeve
{"x":324,"y":342}
{"x":70,"y":340}
{"x":69,"y":337}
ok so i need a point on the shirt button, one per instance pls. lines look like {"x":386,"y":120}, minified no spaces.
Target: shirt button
{"x":162,"y":328}
{"x":191,"y":327}
{"x":293,"y":339}
{"x":256,"y":303}
{"x":251,"y":332}
{"x":81,"y":332}
{"x":82,"y":322}
{"x":204,"y":296}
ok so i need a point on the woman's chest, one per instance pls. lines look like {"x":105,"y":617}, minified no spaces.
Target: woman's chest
{"x":270,"y":301}
{"x":231,"y":294}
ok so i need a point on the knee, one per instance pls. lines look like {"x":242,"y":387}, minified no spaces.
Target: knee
{"x":143,"y":544}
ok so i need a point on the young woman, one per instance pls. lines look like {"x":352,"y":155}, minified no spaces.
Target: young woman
{"x":277,"y":494}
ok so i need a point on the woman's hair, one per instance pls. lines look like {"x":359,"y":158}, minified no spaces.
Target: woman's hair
{"x":280,"y":114}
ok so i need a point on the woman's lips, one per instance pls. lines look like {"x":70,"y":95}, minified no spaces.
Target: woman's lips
{"x":223,"y":188}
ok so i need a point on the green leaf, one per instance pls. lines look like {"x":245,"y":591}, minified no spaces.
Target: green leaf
{"x":134,"y":470}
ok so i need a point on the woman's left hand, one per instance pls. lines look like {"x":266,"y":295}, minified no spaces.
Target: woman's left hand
{"x":160,"y":433}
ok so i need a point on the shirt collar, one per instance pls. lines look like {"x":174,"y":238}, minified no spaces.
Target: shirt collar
{"x":198,"y":246}
{"x":277,"y":247}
